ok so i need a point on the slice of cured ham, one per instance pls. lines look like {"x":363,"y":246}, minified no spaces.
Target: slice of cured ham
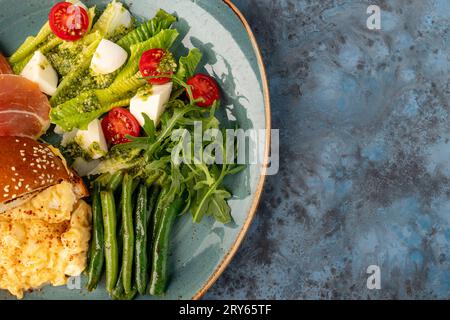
{"x":4,"y":65}
{"x":24,"y":110}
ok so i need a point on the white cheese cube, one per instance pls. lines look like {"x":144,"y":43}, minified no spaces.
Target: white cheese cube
{"x":108,"y":57}
{"x":68,"y":137}
{"x":83,"y":167}
{"x":152,"y":104}
{"x":40,"y":71}
{"x":92,"y":140}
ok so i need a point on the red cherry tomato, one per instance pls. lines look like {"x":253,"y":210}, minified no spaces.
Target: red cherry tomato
{"x":68,"y":22}
{"x":157,"y":62}
{"x":204,"y":87}
{"x":117,"y":124}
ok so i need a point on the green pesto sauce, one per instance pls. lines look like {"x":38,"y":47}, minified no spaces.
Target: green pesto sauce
{"x":121,"y":32}
{"x":145,"y":92}
{"x":72,"y":151}
{"x":167,"y":63}
{"x":95,"y":149}
{"x":91,"y":103}
{"x":87,"y":154}
{"x":64,"y":58}
{"x":85,"y":81}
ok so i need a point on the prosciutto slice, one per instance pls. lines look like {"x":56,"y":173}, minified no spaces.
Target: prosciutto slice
{"x":4,"y":65}
{"x":24,"y":110}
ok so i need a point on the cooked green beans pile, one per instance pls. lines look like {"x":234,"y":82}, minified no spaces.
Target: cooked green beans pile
{"x":131,"y":232}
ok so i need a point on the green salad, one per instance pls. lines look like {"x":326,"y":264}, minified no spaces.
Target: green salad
{"x":118,"y":94}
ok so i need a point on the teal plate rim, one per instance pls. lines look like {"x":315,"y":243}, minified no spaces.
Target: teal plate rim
{"x":259,"y":189}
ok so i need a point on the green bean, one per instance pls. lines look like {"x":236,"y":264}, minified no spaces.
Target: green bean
{"x":103,"y":179}
{"x":159,"y":274}
{"x":96,"y":253}
{"x":128,"y":232}
{"x":160,"y":207}
{"x":111,"y":250}
{"x":140,"y":250}
{"x":136,"y":184}
{"x":119,"y":292}
{"x":152,"y":202}
{"x":115,"y":181}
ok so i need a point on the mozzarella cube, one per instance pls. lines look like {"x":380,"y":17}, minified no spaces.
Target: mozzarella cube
{"x":68,"y":137}
{"x":108,"y":57}
{"x":92,"y":140}
{"x":83,"y":167}
{"x":153,"y":104}
{"x":40,"y":71}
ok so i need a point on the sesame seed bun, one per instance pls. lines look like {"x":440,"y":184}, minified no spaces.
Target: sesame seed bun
{"x":27,"y":166}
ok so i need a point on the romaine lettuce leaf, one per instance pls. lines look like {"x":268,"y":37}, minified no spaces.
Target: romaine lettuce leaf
{"x":107,"y":24}
{"x":188,"y":64}
{"x":71,"y":86}
{"x":31,"y":44}
{"x":163,"y":39}
{"x":90,"y":105}
{"x":145,"y":31}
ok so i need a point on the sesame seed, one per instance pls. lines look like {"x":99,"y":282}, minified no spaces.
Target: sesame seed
{"x":17,"y":140}
{"x":13,"y":168}
{"x":13,"y":179}
{"x":5,"y":196}
{"x":14,"y":196}
{"x":16,"y":188}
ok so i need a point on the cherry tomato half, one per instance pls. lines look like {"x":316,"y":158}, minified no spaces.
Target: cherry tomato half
{"x":117,"y":124}
{"x":204,"y":87}
{"x":157,"y":62}
{"x":68,"y":21}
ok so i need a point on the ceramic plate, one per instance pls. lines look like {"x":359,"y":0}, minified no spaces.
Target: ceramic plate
{"x":199,"y":252}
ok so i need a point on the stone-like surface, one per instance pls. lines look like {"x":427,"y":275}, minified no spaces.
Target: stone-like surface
{"x":365,"y":153}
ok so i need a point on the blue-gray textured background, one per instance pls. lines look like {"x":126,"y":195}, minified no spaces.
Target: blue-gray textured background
{"x":365,"y":153}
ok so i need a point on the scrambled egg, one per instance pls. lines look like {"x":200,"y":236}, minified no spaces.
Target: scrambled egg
{"x":44,"y":240}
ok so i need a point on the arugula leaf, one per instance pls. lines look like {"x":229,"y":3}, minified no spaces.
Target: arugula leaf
{"x":149,"y":126}
{"x":219,"y":207}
